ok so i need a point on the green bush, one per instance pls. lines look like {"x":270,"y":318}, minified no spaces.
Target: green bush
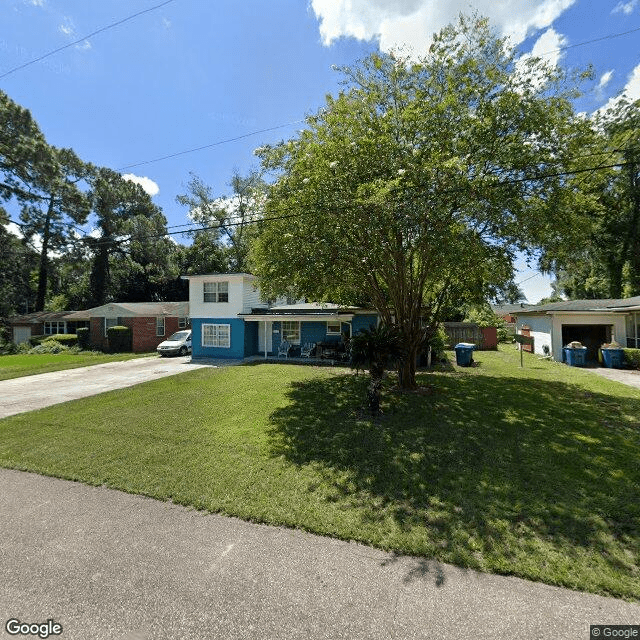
{"x":438,"y":344}
{"x":69,"y":339}
{"x":49,"y":346}
{"x":7,"y":348}
{"x":83,"y":337}
{"x":34,"y":341}
{"x":632,"y":357}
{"x":119,"y":339}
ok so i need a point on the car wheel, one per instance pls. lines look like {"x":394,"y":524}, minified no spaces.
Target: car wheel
{"x":183,"y":351}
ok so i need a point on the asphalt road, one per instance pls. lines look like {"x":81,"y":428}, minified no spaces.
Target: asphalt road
{"x":109,"y":565}
{"x":35,"y":392}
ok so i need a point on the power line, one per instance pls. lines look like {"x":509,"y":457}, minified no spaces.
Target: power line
{"x":221,"y":225}
{"x":581,"y":44}
{"x":90,"y":35}
{"x":213,"y":144}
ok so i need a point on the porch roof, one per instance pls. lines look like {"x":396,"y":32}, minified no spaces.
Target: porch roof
{"x":308,"y":312}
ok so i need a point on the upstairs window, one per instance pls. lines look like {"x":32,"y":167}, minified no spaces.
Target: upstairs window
{"x":216,"y":292}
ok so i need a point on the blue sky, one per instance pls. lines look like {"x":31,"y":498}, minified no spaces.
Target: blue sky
{"x":194,"y":73}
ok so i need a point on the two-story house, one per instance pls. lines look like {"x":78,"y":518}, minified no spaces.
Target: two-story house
{"x":230,"y":320}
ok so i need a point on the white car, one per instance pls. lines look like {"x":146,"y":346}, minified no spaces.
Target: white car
{"x":178,"y":344}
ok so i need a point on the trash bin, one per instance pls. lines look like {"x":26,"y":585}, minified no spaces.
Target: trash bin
{"x":575,"y":356}
{"x":612,"y":358}
{"x":464,"y":353}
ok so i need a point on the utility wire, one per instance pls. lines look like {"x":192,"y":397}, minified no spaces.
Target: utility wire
{"x":90,"y":35}
{"x":581,"y":44}
{"x":221,"y":225}
{"x":209,"y":146}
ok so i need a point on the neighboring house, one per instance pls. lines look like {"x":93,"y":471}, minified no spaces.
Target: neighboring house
{"x":591,"y":322}
{"x":42,"y":323}
{"x":229,"y":319}
{"x":508,"y":312}
{"x":150,"y":322}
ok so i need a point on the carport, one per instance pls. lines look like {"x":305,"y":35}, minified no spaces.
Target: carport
{"x":590,"y":335}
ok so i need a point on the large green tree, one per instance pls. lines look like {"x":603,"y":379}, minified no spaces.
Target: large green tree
{"x":417,"y":184}
{"x":227,"y":221}
{"x":117,"y":205}
{"x":605,"y":262}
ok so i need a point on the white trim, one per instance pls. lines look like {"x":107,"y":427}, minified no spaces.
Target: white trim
{"x":292,"y":341}
{"x":215,"y":289}
{"x":334,"y":333}
{"x":217,"y":336}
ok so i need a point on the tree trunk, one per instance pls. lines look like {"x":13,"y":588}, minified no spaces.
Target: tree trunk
{"x":407,"y":366}
{"x":99,"y":275}
{"x":43,"y":272}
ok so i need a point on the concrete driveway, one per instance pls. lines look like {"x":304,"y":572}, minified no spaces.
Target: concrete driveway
{"x":109,"y":565}
{"x":35,"y":392}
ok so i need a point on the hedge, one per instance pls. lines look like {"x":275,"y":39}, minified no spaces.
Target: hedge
{"x":83,"y":337}
{"x":119,"y":339}
{"x":632,"y":357}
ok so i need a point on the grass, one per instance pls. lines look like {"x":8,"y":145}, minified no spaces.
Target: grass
{"x":531,"y":472}
{"x":29,"y":364}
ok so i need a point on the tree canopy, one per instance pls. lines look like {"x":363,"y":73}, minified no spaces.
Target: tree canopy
{"x":417,"y":184}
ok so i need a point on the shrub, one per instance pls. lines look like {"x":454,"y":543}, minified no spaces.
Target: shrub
{"x":7,"y":348}
{"x":632,"y":356}
{"x":119,"y":339}
{"x":68,"y":339}
{"x":438,"y":344}
{"x":49,"y":346}
{"x":83,"y":337}
{"x":34,"y":341}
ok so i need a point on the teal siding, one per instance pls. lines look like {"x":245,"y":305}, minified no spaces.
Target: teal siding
{"x":237,"y":329}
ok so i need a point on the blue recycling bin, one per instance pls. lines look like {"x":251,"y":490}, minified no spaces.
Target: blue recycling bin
{"x":612,"y":358}
{"x":575,"y":356}
{"x":464,"y":354}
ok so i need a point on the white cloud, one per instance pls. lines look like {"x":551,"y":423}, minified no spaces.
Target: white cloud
{"x":166,"y":23}
{"x":35,"y":3}
{"x":605,"y":79}
{"x":67,"y":27}
{"x":85,"y":45}
{"x":625,"y":7}
{"x":631,"y":91}
{"x":412,"y":22}
{"x":548,"y":47}
{"x":147,"y":184}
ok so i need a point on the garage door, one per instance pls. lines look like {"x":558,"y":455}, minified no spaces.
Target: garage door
{"x":21,"y":334}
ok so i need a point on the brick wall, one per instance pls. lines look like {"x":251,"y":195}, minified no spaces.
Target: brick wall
{"x":143,"y":332}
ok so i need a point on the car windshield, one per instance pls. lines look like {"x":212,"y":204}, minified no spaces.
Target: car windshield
{"x":179,"y":335}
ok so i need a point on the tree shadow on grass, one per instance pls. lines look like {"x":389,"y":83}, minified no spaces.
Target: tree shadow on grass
{"x":481,"y":472}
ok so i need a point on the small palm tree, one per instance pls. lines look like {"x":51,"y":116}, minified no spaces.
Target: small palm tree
{"x":375,"y":348}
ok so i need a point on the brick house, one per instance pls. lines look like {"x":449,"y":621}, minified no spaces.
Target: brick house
{"x":42,"y":323}
{"x":150,"y":322}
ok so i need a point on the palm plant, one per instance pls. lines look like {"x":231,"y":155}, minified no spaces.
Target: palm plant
{"x":376,"y":349}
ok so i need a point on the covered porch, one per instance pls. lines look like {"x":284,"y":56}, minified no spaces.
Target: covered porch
{"x":306,"y":331}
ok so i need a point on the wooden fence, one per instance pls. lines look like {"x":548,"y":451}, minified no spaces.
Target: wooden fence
{"x":469,"y":332}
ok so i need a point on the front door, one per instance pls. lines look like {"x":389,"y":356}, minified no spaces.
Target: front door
{"x":264,"y":340}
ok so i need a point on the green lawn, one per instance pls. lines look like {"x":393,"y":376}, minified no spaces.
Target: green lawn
{"x":532,"y":472}
{"x":29,"y":364}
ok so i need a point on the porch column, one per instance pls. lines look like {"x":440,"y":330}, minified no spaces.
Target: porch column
{"x":265,"y":339}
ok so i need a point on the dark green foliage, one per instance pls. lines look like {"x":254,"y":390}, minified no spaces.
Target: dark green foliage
{"x":69,"y":339}
{"x":632,"y":357}
{"x":83,"y":337}
{"x":119,"y":339}
{"x":376,"y":349}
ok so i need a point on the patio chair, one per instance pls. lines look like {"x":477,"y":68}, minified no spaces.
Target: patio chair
{"x":307,"y":349}
{"x":283,"y":349}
